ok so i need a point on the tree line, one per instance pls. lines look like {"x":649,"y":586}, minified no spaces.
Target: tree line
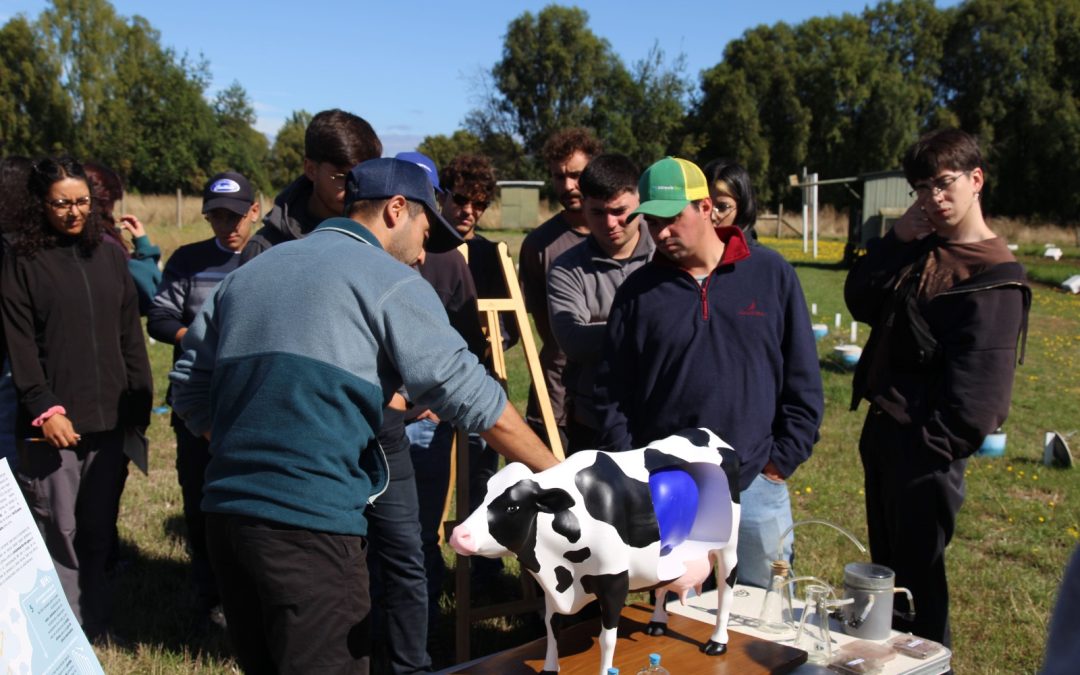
{"x":842,"y":95}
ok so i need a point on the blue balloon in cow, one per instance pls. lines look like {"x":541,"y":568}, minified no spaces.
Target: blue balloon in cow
{"x":675,"y":500}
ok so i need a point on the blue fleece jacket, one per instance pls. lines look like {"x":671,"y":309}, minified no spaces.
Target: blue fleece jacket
{"x":734,"y":354}
{"x":290,"y":363}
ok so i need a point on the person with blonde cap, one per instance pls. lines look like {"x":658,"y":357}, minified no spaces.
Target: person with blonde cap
{"x":713,"y":333}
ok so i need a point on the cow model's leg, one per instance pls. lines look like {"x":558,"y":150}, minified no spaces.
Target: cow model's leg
{"x":610,"y":591}
{"x":658,"y":620}
{"x":551,"y":656}
{"x":726,"y":560}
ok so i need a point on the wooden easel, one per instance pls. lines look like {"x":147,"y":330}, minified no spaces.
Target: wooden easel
{"x":459,"y":457}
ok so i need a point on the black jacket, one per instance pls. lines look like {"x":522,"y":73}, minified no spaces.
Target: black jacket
{"x":288,"y":220}
{"x":945,"y":366}
{"x":74,"y":338}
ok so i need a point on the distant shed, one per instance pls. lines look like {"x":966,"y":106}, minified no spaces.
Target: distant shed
{"x":884,"y":199}
{"x":520,"y":203}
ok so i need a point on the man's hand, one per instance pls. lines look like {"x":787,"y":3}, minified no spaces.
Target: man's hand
{"x":914,"y":224}
{"x":59,"y":432}
{"x":771,"y":472}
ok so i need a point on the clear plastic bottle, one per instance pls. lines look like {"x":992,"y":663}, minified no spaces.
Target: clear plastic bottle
{"x":654,"y":667}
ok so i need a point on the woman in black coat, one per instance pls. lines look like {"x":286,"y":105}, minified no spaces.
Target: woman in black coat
{"x":78,"y":356}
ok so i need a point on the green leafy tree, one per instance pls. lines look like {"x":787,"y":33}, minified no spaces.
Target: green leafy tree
{"x":441,"y":149}
{"x":34,"y":109}
{"x":551,"y":68}
{"x":287,"y":153}
{"x":640,"y":112}
{"x":238,"y":145}
{"x":1012,"y":74}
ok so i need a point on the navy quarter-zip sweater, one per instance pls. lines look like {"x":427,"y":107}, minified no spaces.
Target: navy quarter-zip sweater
{"x":734,"y":354}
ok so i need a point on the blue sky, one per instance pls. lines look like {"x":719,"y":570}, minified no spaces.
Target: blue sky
{"x":411,"y":68}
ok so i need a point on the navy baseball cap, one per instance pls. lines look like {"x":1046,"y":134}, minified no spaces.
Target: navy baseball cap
{"x":386,"y":177}
{"x":425,"y":163}
{"x":230,"y":191}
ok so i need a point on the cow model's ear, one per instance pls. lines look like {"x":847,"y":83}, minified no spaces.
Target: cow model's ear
{"x":553,"y":500}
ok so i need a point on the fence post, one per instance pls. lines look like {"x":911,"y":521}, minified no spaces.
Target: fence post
{"x":779,"y":216}
{"x":179,"y":207}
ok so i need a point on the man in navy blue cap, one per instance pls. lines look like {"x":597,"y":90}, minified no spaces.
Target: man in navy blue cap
{"x":300,"y":350}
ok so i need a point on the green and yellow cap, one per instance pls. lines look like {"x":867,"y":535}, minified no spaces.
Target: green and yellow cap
{"x":668,"y":186}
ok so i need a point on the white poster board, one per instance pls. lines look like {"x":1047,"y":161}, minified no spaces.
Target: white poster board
{"x":38,"y":631}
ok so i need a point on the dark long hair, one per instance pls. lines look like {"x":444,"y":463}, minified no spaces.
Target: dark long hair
{"x":36,"y":234}
{"x":738,"y":180}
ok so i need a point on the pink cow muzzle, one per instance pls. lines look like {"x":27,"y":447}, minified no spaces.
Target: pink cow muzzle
{"x":461,"y":540}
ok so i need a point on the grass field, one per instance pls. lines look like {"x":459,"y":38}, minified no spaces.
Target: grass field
{"x":1019,"y":524}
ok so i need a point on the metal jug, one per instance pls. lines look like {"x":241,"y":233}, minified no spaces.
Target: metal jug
{"x":871,"y":589}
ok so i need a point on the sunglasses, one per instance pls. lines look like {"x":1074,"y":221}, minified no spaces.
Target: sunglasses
{"x":477,"y":204}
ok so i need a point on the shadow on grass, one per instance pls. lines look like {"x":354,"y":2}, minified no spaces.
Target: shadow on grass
{"x":154,"y":605}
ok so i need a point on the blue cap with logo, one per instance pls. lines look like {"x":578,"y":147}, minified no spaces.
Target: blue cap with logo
{"x":425,"y":163}
{"x":386,"y":177}
{"x":230,"y":191}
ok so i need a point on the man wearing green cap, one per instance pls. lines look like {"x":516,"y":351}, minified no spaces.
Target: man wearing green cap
{"x":712,"y":333}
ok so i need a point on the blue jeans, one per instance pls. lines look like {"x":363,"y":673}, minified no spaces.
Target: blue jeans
{"x":766,"y":513}
{"x":398,"y":578}
{"x":430,"y":451}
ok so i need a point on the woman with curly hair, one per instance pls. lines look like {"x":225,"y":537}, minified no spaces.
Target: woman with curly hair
{"x":79,"y":362}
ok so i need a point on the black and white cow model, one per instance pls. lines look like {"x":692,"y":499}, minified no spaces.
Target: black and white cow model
{"x":602,"y":524}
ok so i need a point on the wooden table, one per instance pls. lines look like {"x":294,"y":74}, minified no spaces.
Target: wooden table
{"x":579,"y":651}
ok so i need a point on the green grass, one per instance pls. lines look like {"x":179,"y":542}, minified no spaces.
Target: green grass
{"x":1018,"y":526}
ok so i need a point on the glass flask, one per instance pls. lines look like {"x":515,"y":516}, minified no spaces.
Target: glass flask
{"x":813,"y":635}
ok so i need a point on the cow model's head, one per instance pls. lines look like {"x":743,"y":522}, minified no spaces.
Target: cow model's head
{"x":506,"y":522}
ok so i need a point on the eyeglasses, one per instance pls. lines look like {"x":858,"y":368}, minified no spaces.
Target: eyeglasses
{"x":338,"y":177}
{"x":477,"y":204}
{"x":936,"y":186}
{"x":61,"y":205}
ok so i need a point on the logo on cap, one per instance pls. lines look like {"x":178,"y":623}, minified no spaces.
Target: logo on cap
{"x":225,"y":185}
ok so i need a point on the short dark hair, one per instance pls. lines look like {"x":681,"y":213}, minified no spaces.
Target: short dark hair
{"x":562,"y":145}
{"x":371,"y":207}
{"x":609,"y":175}
{"x":476,"y":173}
{"x":942,"y":149}
{"x":735,"y":176}
{"x":340,"y":138}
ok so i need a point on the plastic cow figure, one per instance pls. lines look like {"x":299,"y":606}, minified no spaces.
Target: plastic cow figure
{"x":601,"y":524}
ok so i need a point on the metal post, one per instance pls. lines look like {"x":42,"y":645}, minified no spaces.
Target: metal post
{"x":814,"y":216}
{"x":179,"y":207}
{"x":805,"y":214}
